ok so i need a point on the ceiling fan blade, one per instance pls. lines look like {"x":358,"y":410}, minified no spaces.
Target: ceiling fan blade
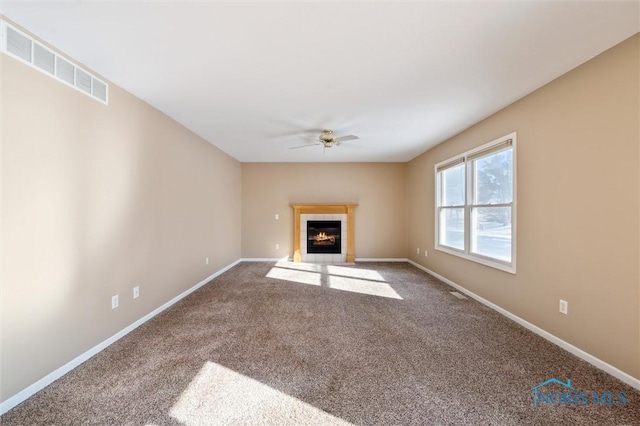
{"x":347,"y":138}
{"x":315,"y":139}
{"x":305,"y":146}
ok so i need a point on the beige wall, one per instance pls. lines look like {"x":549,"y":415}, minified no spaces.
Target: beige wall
{"x":98,"y":199}
{"x":379,"y":189}
{"x":578,"y":208}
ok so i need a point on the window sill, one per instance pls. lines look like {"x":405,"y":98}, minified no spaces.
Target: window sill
{"x":506,"y":267}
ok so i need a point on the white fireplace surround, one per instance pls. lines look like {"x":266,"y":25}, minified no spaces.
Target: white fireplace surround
{"x":342,"y":212}
{"x":323,"y":257}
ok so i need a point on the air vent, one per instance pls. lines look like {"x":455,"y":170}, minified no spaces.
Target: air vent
{"x":64,"y":70}
{"x":44,"y":59}
{"x":458,"y":295}
{"x":23,"y":47}
{"x":83,"y":81}
{"x":18,"y":45}
{"x":99,"y":90}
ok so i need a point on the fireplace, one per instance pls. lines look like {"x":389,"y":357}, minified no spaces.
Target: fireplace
{"x":323,"y":236}
{"x":305,"y":213}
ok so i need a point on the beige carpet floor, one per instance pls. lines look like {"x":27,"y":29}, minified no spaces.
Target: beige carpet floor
{"x":284,"y":344}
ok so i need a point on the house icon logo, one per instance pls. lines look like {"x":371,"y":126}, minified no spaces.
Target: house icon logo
{"x":567,"y":395}
{"x":537,"y":389}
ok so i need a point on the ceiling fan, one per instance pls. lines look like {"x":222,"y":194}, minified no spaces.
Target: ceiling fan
{"x":326,"y":139}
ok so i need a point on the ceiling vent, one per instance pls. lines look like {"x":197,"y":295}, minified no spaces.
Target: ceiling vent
{"x":23,"y":47}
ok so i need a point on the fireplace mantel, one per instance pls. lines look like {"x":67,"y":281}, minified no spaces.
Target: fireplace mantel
{"x":299,"y":209}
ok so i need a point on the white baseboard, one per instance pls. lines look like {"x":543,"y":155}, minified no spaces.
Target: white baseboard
{"x":263,"y":259}
{"x":21,"y":396}
{"x":596,"y":362}
{"x":381,"y":259}
{"x":357,"y":259}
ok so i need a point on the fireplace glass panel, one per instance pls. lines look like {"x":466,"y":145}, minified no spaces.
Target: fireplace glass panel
{"x":323,"y":236}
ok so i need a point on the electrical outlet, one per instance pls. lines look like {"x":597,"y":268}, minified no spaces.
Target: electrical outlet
{"x":136,"y":292}
{"x":277,"y":246}
{"x":564,"y":307}
{"x":277,"y":216}
{"x":206,"y":260}
{"x":426,"y":253}
{"x":418,"y":250}
{"x":114,"y":301}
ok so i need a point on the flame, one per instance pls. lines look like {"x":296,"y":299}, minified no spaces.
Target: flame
{"x":322,"y":236}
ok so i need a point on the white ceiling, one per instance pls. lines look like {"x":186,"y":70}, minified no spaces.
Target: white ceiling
{"x":251,"y":77}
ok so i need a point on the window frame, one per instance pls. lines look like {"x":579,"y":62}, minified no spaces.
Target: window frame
{"x":469,"y":171}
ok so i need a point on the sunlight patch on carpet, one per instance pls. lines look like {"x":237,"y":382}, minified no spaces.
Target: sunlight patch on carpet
{"x":355,"y":285}
{"x":302,"y":277}
{"x":365,"y":274}
{"x":299,"y":266}
{"x":355,"y":280}
{"x":218,"y":395}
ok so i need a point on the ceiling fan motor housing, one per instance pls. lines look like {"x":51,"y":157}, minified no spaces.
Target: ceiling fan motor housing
{"x":327,"y":139}
{"x":327,"y":136}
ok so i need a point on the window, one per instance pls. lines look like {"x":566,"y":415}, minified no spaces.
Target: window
{"x":475,"y":204}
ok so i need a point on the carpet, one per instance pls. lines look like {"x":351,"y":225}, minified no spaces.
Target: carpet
{"x":300,"y":344}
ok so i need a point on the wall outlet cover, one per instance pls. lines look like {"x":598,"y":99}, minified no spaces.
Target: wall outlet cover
{"x":564,"y":307}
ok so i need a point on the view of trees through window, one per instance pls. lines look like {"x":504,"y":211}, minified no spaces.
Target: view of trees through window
{"x":483,"y":211}
{"x":452,"y":207}
{"x":493,"y":190}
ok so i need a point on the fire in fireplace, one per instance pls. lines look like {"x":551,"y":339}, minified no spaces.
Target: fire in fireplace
{"x":323,"y":236}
